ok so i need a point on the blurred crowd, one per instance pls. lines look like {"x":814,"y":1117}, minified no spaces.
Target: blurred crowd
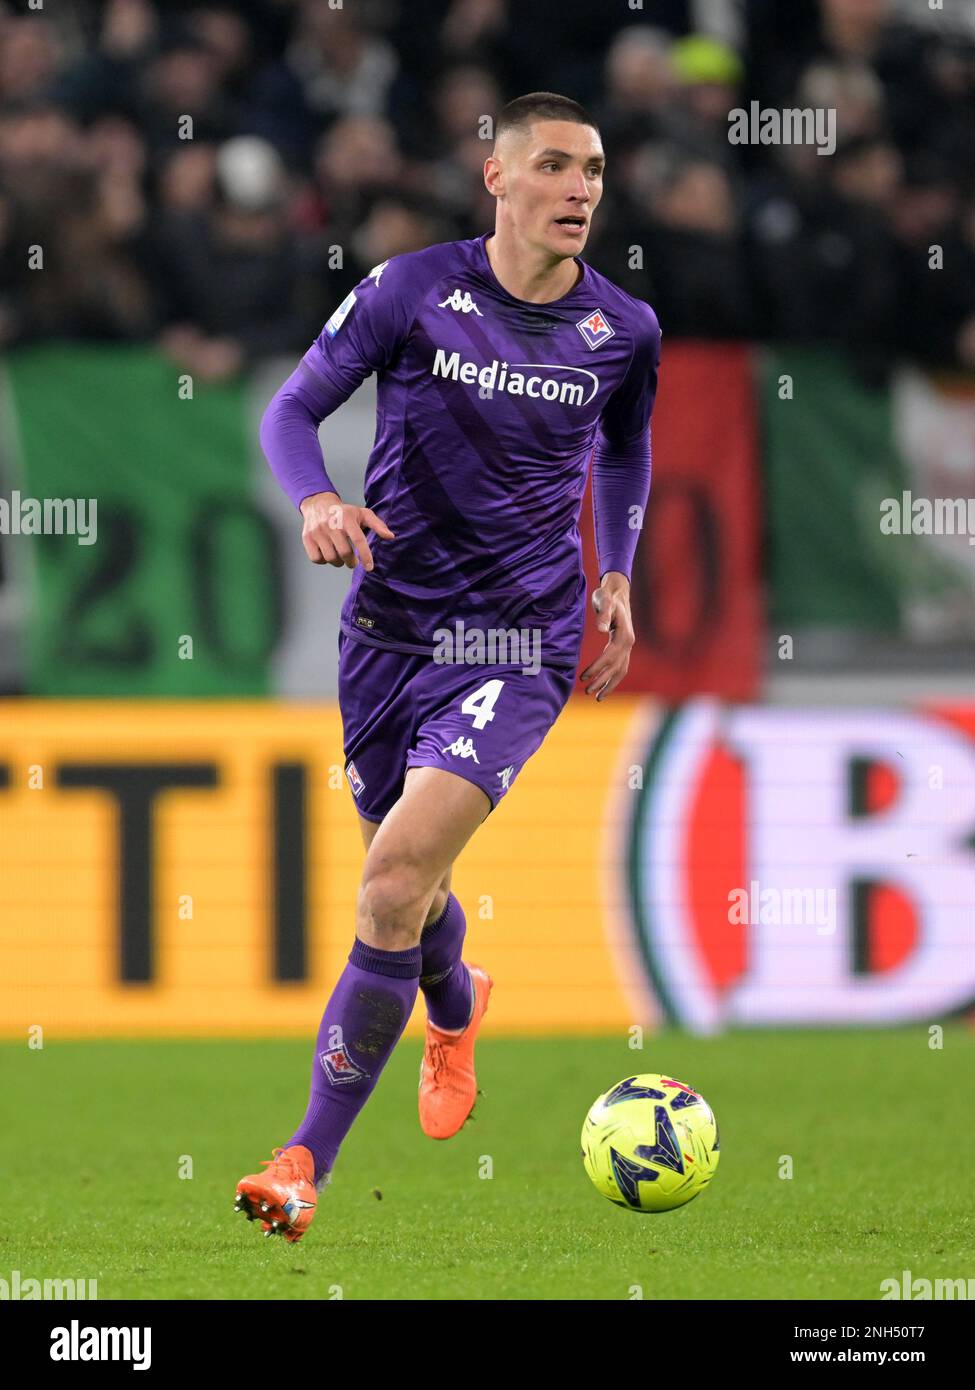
{"x":215,"y":177}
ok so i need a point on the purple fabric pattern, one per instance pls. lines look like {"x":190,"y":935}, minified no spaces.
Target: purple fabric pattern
{"x":489,"y":408}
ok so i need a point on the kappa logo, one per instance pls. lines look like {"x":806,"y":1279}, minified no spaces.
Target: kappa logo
{"x":339,"y":1066}
{"x":462,"y":748}
{"x":461,"y":303}
{"x":377,"y":273}
{"x":505,"y":775}
{"x":355,"y":781}
{"x":595,"y":329}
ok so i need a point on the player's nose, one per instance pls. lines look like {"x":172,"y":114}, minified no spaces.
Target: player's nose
{"x":578,"y":189}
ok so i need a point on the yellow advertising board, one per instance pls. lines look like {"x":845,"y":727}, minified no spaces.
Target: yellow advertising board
{"x":191,"y":868}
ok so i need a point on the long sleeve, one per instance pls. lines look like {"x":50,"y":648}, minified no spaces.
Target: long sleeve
{"x":620,"y":488}
{"x":621,"y":460}
{"x":363,"y":336}
{"x":289,"y":433}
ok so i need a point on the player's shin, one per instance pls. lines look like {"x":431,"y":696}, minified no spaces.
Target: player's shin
{"x":444,"y":978}
{"x":362,"y":1023}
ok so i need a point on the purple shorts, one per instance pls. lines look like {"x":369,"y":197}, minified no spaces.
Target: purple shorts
{"x":401,"y":710}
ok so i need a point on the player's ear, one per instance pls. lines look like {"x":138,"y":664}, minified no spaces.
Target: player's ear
{"x":493,"y":174}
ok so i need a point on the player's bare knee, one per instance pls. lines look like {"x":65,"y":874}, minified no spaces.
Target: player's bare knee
{"x":392,"y":901}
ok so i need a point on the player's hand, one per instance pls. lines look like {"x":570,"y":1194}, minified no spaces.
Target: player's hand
{"x":333,"y":531}
{"x":612,"y":604}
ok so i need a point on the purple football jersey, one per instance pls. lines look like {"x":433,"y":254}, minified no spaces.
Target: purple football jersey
{"x":488,"y":411}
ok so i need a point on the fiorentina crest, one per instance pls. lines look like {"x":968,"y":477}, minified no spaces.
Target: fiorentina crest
{"x":595,"y":329}
{"x":339,"y":1066}
{"x":355,"y":781}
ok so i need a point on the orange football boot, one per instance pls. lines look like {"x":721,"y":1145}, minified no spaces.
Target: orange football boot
{"x":284,"y":1196}
{"x":448,"y":1087}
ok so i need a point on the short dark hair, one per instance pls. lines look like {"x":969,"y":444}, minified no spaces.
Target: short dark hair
{"x":540,"y":106}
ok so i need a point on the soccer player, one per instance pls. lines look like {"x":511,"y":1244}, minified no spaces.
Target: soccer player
{"x":501,"y":361}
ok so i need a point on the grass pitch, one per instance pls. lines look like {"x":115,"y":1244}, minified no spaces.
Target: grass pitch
{"x":879,"y":1127}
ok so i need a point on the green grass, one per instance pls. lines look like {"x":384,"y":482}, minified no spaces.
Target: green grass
{"x":879,"y":1127}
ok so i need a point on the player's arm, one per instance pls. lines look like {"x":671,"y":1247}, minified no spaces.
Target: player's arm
{"x":620,"y":488}
{"x":362,"y":336}
{"x":332,"y":530}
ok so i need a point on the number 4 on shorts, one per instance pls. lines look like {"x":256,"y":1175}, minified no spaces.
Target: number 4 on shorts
{"x":481,"y":703}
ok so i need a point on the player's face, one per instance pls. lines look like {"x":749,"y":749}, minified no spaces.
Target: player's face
{"x":553,"y":184}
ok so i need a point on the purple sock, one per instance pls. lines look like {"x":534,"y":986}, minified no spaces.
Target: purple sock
{"x":444,"y":979}
{"x":362,"y":1023}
